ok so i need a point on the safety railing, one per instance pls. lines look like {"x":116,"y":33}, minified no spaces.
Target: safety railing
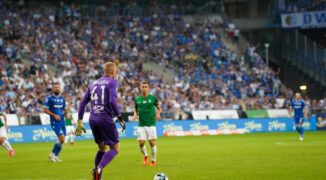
{"x":306,"y":55}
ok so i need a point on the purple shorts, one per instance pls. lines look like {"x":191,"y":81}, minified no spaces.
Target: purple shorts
{"x":104,"y":131}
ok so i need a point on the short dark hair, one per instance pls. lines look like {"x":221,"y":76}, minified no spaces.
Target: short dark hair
{"x":144,"y":82}
{"x":55,"y":83}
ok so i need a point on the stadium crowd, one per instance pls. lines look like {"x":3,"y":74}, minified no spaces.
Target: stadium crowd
{"x":294,"y":6}
{"x":72,"y":49}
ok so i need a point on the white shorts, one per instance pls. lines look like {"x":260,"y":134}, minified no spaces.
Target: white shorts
{"x":70,"y":129}
{"x":147,"y":133}
{"x":3,"y":132}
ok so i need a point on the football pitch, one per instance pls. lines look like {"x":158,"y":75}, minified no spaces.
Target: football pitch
{"x":249,"y":156}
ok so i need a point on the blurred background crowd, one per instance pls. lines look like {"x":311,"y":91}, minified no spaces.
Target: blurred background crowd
{"x":41,"y":46}
{"x":295,"y":6}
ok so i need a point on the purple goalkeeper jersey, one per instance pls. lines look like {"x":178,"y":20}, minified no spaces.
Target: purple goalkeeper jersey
{"x":103,"y":96}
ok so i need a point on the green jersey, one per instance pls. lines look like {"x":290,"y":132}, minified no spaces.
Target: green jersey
{"x":1,"y":123}
{"x":146,"y":110}
{"x":69,"y":120}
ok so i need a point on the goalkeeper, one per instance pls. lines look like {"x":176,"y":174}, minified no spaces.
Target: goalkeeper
{"x":102,"y":94}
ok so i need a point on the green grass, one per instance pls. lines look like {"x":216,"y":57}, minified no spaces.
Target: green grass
{"x":249,"y":156}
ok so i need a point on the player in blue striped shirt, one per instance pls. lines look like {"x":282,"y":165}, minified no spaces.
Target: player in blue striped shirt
{"x":55,"y":106}
{"x":300,"y":113}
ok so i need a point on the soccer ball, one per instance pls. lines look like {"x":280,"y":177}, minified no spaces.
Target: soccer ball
{"x":160,"y":176}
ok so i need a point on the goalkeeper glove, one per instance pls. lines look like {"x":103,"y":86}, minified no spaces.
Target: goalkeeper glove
{"x":80,"y":128}
{"x":122,"y":123}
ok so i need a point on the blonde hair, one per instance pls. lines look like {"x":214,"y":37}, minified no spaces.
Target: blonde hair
{"x":109,"y":67}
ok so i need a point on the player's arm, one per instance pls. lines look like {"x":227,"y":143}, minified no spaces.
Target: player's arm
{"x":65,"y":110}
{"x":291,"y":109}
{"x":73,"y":120}
{"x":135,"y":113}
{"x":80,"y":127}
{"x":114,"y":105}
{"x":158,"y":112}
{"x":47,"y":111}
{"x":159,"y":109}
{"x":305,"y":111}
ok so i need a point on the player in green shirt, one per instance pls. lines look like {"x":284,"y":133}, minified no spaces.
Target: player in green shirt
{"x":70,"y":126}
{"x":3,"y":135}
{"x":145,"y":109}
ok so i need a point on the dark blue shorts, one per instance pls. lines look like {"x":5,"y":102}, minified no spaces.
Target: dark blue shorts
{"x":298,"y":120}
{"x":104,"y":131}
{"x":58,"y":127}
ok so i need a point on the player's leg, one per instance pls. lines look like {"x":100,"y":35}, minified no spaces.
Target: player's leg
{"x":142,"y":137}
{"x":152,"y":137}
{"x":107,"y":157}
{"x":101,"y":151}
{"x":60,"y":131}
{"x":105,"y":134}
{"x":101,"y":148}
{"x":301,"y":129}
{"x":97,"y":172}
{"x":154,"y":151}
{"x":143,"y":150}
{"x":67,"y":137}
{"x":142,"y":147}
{"x":57,"y":148}
{"x":4,"y":142}
{"x":72,"y":136}
{"x":111,"y":138}
{"x":296,"y":124}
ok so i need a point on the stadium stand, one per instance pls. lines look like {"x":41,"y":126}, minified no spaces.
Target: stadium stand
{"x":40,"y":47}
{"x":294,"y":6}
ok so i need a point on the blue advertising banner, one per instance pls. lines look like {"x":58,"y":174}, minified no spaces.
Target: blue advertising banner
{"x":43,"y":133}
{"x":321,"y":121}
{"x":313,"y":19}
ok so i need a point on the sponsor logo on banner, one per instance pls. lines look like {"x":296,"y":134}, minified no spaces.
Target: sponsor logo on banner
{"x":44,"y":133}
{"x":135,"y":133}
{"x":198,"y":126}
{"x":251,"y":125}
{"x":306,"y":124}
{"x":275,"y":125}
{"x":15,"y":135}
{"x":313,"y":19}
{"x":321,"y":121}
{"x":226,"y":125}
{"x":290,"y":20}
{"x":171,"y":127}
{"x":39,"y":133}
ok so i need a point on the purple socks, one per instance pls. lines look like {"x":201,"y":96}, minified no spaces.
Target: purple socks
{"x":98,"y":157}
{"x":107,"y":158}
